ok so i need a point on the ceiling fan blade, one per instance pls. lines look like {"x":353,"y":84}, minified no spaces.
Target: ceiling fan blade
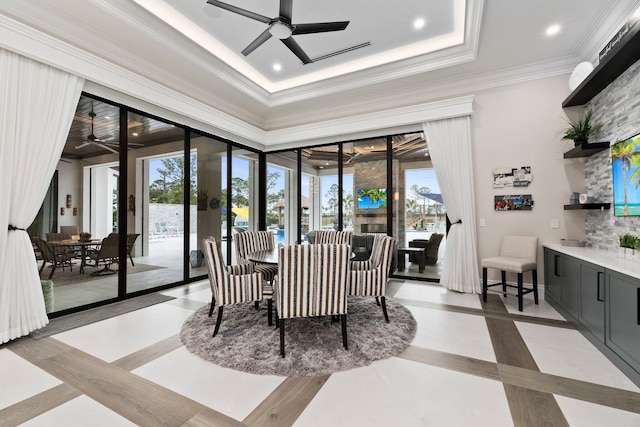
{"x":266,"y":35}
{"x":106,"y":147}
{"x":239,"y":11}
{"x":83,"y":145}
{"x":286,"y":9}
{"x":320,"y":27}
{"x":297,"y":50}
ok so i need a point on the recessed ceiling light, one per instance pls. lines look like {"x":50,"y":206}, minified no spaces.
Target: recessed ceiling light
{"x":552,"y":30}
{"x":134,"y":134}
{"x":419,"y":23}
{"x":277,"y":67}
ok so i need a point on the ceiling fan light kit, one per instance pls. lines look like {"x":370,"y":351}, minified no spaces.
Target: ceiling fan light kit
{"x":281,"y":27}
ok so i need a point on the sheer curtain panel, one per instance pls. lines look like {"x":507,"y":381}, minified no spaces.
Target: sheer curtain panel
{"x":37,"y":104}
{"x":449,"y":143}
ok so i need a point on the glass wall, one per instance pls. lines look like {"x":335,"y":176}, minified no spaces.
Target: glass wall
{"x":208,"y":211}
{"x":157,"y":172}
{"x":282,"y":200}
{"x":419,"y":212}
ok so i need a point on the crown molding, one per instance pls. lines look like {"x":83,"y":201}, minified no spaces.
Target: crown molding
{"x":377,"y":121}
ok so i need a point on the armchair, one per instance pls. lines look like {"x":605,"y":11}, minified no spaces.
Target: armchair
{"x":253,"y":241}
{"x":311,"y":282}
{"x":232,"y":284}
{"x":333,"y":237}
{"x":369,"y":278}
{"x":107,"y":254}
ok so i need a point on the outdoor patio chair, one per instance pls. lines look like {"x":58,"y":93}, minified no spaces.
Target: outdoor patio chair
{"x":131,"y":241}
{"x":106,"y":255}
{"x":56,"y":256}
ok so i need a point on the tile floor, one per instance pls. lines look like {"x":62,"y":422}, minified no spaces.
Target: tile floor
{"x":132,"y":370}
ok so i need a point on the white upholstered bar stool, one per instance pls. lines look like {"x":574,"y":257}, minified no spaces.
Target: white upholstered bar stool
{"x":518,"y":254}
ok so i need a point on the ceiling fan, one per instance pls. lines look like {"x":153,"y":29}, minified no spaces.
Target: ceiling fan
{"x":282,"y":27}
{"x":92,"y":139}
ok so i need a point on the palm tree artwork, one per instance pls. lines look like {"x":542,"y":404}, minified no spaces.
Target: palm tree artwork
{"x":628,"y":155}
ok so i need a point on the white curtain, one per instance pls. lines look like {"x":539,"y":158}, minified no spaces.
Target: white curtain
{"x":449,"y":142}
{"x":37,"y":104}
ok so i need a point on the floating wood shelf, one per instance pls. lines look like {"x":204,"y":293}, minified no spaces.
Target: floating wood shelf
{"x":585,"y":149}
{"x":588,"y":206}
{"x":613,"y":65}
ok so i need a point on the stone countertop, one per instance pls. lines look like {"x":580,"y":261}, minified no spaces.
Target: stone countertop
{"x":604,"y":258}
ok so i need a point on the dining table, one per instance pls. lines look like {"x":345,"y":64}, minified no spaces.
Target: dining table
{"x":78,"y":244}
{"x":270,"y":256}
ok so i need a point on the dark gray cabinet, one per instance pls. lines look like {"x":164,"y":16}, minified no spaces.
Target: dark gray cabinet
{"x":623,"y":317}
{"x":562,"y":280}
{"x":592,"y":288}
{"x":602,"y":303}
{"x":552,"y":278}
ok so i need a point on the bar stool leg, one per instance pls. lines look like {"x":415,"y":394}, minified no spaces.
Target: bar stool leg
{"x":534,"y":279}
{"x":519,"y":291}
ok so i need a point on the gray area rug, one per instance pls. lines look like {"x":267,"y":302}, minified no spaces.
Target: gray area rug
{"x":75,"y":320}
{"x":313,"y":346}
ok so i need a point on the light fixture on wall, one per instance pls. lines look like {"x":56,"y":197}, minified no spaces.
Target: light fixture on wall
{"x":69,"y":200}
{"x":396,"y":196}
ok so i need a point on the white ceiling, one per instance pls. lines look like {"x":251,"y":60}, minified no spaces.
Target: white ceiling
{"x":193,"y":49}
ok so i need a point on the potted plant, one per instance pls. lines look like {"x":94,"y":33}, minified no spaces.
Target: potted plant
{"x":627,"y":245}
{"x":579,"y":130}
{"x":85,"y":237}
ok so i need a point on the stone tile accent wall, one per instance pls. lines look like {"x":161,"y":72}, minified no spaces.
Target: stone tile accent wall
{"x":617,"y":110}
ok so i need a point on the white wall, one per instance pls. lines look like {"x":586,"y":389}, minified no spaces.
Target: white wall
{"x":521,"y":125}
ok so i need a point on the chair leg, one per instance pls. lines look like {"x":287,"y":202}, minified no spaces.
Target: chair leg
{"x":484,"y":284}
{"x":42,"y":267}
{"x":519,"y":291}
{"x":131,"y":259}
{"x":343,"y":320}
{"x":378,"y":301}
{"x":270,"y":312}
{"x":504,"y":283}
{"x":215,"y":331}
{"x":534,"y":279}
{"x":213,"y":305}
{"x":281,"y":337}
{"x":384,"y":309}
{"x":257,"y":305}
{"x":53,"y":268}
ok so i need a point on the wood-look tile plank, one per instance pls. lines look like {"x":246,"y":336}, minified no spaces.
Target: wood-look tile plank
{"x":207,"y":417}
{"x":581,"y":390}
{"x":531,"y":408}
{"x":528,"y":407}
{"x":501,"y":315}
{"x":148,"y":354}
{"x":137,"y":399}
{"x":455,"y":362}
{"x":508,"y":345}
{"x":37,"y":405}
{"x":285,"y":404}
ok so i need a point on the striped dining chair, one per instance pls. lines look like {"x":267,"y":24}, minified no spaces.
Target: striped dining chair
{"x":369,"y":278}
{"x":311,"y":282}
{"x":231,"y":284}
{"x":253,"y":241}
{"x":333,"y":237}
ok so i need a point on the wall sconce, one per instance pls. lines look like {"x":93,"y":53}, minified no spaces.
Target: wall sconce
{"x":61,"y":211}
{"x":69,"y":202}
{"x":396,"y":196}
{"x":75,"y":211}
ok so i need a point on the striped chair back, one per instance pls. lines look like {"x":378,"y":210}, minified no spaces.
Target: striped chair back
{"x":373,"y":281}
{"x":333,"y":237}
{"x":312,"y":280}
{"x":226,"y":287}
{"x":252,"y":241}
